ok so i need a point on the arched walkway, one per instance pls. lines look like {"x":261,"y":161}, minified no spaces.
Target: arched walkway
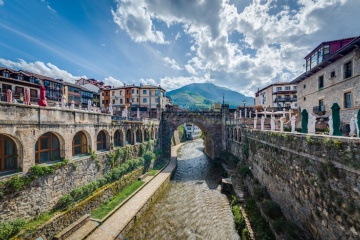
{"x":138,"y":136}
{"x":47,"y":148}
{"x":101,"y":141}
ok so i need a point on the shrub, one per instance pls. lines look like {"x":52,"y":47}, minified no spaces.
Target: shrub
{"x":65,"y":201}
{"x":10,"y":228}
{"x":245,"y":234}
{"x":245,"y":171}
{"x":238,"y":218}
{"x":271,"y":209}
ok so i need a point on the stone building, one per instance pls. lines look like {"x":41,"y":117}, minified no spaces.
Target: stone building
{"x":192,"y":131}
{"x":277,"y":96}
{"x":150,"y":100}
{"x":332,"y":76}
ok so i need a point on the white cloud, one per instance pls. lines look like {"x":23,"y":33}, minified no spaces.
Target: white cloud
{"x":241,"y":47}
{"x":148,"y":81}
{"x":172,"y":63}
{"x":41,"y":68}
{"x":190,"y":69}
{"x":112,"y":81}
{"x":1,"y":2}
{"x":170,"y":83}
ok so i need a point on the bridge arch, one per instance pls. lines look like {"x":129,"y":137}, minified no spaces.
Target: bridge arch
{"x":210,"y":123}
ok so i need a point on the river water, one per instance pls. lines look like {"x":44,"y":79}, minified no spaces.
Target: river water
{"x":192,"y":207}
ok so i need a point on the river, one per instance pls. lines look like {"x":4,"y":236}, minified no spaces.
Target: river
{"x":192,"y":207}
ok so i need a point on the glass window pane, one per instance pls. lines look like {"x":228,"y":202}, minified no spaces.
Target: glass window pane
{"x":9,"y":147}
{"x":44,"y":143}
{"x":55,"y":142}
{"x":77,"y":150}
{"x":55,"y":155}
{"x":83,"y":139}
{"x":45,"y":156}
{"x":10,"y":163}
{"x":77,"y":139}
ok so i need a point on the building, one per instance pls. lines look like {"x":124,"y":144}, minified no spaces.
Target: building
{"x":192,"y":131}
{"x":78,"y":94}
{"x":94,"y":86}
{"x":332,"y":76}
{"x":148,"y":99}
{"x":277,"y":96}
{"x":54,"y":87}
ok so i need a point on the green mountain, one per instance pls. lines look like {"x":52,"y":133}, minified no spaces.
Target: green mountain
{"x":204,"y":95}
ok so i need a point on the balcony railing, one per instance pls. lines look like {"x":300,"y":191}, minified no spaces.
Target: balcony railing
{"x":293,"y":99}
{"x":319,"y":109}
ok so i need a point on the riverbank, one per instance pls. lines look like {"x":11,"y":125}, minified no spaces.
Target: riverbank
{"x":123,"y":219}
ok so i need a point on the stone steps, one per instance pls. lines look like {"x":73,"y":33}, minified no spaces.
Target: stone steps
{"x":84,"y":231}
{"x":74,"y":227}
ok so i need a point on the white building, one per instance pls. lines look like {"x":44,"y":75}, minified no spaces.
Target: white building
{"x":192,"y":131}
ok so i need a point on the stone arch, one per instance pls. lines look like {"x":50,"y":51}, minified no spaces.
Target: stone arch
{"x":119,"y":138}
{"x":81,"y":143}
{"x":11,"y":153}
{"x":138,"y":136}
{"x":211,"y":128}
{"x":129,"y":138}
{"x":48,"y":147}
{"x":102,"y":140}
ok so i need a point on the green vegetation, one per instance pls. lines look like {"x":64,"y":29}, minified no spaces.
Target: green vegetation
{"x":38,"y":220}
{"x":153,"y":172}
{"x":271,"y":209}
{"x":182,"y":133}
{"x":15,"y":183}
{"x":10,"y":228}
{"x":104,"y":209}
{"x":113,"y":175}
{"x":148,"y":157}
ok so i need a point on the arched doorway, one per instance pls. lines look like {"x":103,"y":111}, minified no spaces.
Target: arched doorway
{"x":47,"y":148}
{"x":129,"y":137}
{"x":80,"y":144}
{"x":138,"y":136}
{"x":8,"y":154}
{"x":118,"y":138}
{"x":101,"y":141}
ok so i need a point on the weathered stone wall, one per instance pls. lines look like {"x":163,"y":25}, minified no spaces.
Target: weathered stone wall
{"x":315,"y":179}
{"x":50,"y":228}
{"x":25,"y":124}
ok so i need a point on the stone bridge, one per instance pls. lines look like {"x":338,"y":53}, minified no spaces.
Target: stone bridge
{"x":212,"y":124}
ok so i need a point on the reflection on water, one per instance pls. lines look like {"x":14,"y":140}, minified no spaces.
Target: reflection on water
{"x":193,"y":206}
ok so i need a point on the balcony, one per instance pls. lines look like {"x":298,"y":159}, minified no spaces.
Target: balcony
{"x":293,"y":99}
{"x":319,"y":109}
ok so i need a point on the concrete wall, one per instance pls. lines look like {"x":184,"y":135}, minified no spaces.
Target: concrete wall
{"x":315,"y":179}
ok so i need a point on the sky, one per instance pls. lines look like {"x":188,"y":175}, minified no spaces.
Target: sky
{"x":239,"y":44}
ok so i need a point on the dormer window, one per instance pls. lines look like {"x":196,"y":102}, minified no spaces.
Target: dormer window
{"x":20,"y":77}
{"x":6,"y":74}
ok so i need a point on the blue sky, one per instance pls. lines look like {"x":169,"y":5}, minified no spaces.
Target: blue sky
{"x":239,"y":44}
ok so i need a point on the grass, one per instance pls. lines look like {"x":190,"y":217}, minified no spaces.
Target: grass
{"x":153,"y":172}
{"x":38,"y":220}
{"x":104,"y":209}
{"x":158,"y":165}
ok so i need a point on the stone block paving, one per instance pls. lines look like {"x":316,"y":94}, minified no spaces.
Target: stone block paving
{"x":118,"y":221}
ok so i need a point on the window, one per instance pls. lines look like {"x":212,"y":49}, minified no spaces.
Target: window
{"x":79,"y":144}
{"x":332,"y":74}
{"x":321,"y":103}
{"x":33,"y":93}
{"x":107,"y":93}
{"x":304,"y":98}
{"x":321,"y":82}
{"x":19,"y":90}
{"x":132,"y":90}
{"x":102,"y":101}
{"x":113,"y":93}
{"x":304,"y":86}
{"x":121,"y":101}
{"x":347,"y":70}
{"x":118,"y":139}
{"x":20,"y":77}
{"x":113,"y":101}
{"x":144,"y":91}
{"x":278,"y":88}
{"x":47,"y":148}
{"x":102,"y":94}
{"x":101,"y":141}
{"x":137,"y":91}
{"x":6,"y":74}
{"x":287,"y":88}
{"x":313,"y":60}
{"x":144,"y":100}
{"x":8,"y":154}
{"x":120,"y":92}
{"x":295,"y":87}
{"x":106,"y":101}
{"x":129,"y":137}
{"x":347,"y":100}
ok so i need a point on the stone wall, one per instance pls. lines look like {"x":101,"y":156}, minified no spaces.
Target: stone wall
{"x":315,"y":179}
